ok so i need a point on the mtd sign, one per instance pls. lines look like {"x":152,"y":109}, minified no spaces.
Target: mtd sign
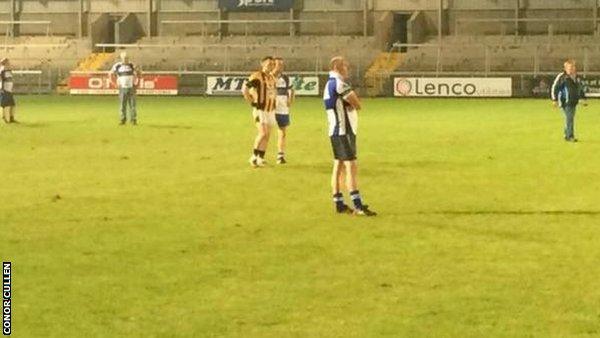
{"x":232,"y":85}
{"x":453,"y":87}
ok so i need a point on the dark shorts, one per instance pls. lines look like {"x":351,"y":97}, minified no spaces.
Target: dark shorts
{"x":344,"y":147}
{"x":7,"y":99}
{"x":283,"y":120}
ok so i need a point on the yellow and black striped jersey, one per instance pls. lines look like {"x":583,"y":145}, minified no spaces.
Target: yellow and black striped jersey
{"x":264,"y":84}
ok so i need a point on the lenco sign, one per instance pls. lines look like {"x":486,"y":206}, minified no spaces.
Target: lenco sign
{"x":453,"y":86}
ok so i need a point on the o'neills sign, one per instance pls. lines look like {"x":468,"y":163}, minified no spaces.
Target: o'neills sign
{"x":453,"y":86}
{"x":100,"y":84}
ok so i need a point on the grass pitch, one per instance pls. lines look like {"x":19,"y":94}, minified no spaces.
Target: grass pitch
{"x":489,"y":222}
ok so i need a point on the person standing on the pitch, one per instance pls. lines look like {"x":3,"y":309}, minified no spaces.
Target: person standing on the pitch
{"x":259,"y":91}
{"x":285,"y":98}
{"x":567,"y":90}
{"x":7,"y":101}
{"x":341,"y":105}
{"x":126,"y":75}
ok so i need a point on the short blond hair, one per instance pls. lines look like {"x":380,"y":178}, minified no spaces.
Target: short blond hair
{"x":571,"y":62}
{"x":335,"y":62}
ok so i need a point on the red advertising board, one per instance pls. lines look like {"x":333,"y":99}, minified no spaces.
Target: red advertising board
{"x":99,"y":84}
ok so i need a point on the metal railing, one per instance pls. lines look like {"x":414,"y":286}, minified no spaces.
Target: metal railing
{"x":247,"y":23}
{"x":228,"y":55}
{"x":11,"y":23}
{"x":32,"y":81}
{"x":550,"y":22}
{"x":495,"y":59}
{"x":8,"y":46}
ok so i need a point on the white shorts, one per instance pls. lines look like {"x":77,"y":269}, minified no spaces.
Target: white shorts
{"x":281,"y":106}
{"x":263,"y":117}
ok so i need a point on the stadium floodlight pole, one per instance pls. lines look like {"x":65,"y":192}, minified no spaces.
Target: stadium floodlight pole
{"x":440,"y":20}
{"x":13,"y":5}
{"x":517,"y":4}
{"x":149,"y":18}
{"x":595,"y":11}
{"x":80,"y":22}
{"x":365,"y":17}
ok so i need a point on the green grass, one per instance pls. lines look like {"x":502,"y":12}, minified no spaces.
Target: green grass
{"x":488,"y":226}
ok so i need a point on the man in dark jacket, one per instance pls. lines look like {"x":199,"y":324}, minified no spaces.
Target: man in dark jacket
{"x":567,"y":90}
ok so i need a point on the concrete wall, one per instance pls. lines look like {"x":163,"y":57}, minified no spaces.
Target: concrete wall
{"x":332,"y":5}
{"x":383,"y":30}
{"x":465,"y":28}
{"x":100,"y":30}
{"x":348,"y":23}
{"x":128,"y":30}
{"x":187,"y":29}
{"x":61,"y":24}
{"x":112,"y":6}
{"x":417,"y":28}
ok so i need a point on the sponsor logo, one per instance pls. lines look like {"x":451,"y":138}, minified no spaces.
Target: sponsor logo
{"x":453,"y":87}
{"x":256,"y":5}
{"x":102,"y":85}
{"x":403,"y":87}
{"x":233,"y":85}
{"x":246,"y":3}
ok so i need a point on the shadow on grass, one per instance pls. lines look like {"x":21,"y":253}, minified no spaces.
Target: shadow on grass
{"x":510,"y":212}
{"x":32,"y":124}
{"x":420,"y":164}
{"x":167,"y":126}
{"x":311,"y":168}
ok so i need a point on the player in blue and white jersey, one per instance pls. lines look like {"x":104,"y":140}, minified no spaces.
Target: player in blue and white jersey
{"x":341,"y":105}
{"x":126,"y":75}
{"x":284,"y":100}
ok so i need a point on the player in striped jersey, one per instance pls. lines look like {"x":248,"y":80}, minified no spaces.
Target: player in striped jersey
{"x":7,"y":101}
{"x":341,"y":105}
{"x":259,"y":91}
{"x":285,"y":98}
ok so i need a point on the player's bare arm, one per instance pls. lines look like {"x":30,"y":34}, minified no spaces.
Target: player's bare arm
{"x":353,"y":100}
{"x":249,"y":94}
{"x":291,"y":97}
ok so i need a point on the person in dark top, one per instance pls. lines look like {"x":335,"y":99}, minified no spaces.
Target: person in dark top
{"x":7,"y":100}
{"x":567,"y":90}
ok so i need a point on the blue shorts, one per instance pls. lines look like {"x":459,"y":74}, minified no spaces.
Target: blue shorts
{"x":283,"y":120}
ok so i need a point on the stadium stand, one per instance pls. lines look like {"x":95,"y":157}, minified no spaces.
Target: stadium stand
{"x":305,"y":53}
{"x":490,"y":54}
{"x":430,"y":36}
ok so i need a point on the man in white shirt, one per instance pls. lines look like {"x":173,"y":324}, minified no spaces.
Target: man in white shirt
{"x":7,"y":101}
{"x":126,"y":75}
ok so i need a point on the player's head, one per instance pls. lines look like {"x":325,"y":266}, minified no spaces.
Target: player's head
{"x":340,"y":65}
{"x":570,"y":66}
{"x":278,"y":66}
{"x":124,"y":57}
{"x":266,"y":63}
{"x":4,"y":62}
